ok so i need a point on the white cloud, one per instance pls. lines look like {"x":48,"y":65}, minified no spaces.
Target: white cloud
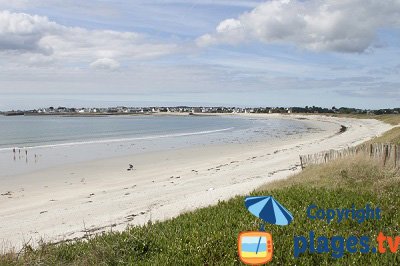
{"x":228,"y":31}
{"x":330,"y":25}
{"x":39,"y":60}
{"x":23,"y":33}
{"x":105,"y":64}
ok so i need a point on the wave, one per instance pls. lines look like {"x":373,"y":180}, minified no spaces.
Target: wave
{"x":100,"y":141}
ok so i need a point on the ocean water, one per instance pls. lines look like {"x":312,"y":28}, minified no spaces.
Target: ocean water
{"x":46,"y":141}
{"x":33,"y":131}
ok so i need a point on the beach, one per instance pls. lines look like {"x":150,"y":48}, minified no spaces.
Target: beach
{"x":101,"y":195}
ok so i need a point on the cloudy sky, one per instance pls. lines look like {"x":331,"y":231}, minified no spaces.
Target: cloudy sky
{"x":200,"y":52}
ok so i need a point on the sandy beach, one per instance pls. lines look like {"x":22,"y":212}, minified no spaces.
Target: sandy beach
{"x":101,"y":195}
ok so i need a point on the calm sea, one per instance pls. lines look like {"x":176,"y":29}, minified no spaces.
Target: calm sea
{"x":43,"y":141}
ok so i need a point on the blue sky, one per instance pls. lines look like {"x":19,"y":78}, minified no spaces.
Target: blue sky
{"x":173,"y":52}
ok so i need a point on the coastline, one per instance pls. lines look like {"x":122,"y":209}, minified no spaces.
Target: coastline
{"x":163,"y":185}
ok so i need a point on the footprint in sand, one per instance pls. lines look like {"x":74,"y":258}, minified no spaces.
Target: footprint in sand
{"x":8,"y":193}
{"x":131,"y":217}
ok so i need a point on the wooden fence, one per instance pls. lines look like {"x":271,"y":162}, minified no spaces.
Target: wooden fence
{"x":388,"y":154}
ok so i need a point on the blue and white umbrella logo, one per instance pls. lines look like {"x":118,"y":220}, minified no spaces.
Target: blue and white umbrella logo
{"x":268,"y":209}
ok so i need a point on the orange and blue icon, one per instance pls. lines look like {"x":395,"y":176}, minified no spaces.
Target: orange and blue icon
{"x":255,"y":247}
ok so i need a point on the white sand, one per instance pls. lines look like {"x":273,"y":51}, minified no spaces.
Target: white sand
{"x":100,"y":195}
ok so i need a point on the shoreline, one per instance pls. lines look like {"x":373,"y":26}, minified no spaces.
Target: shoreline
{"x":163,"y":184}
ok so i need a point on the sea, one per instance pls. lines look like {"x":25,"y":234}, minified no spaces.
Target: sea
{"x":30,"y":143}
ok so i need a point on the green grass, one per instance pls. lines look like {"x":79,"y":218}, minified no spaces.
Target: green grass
{"x":208,"y":236}
{"x":391,"y":136}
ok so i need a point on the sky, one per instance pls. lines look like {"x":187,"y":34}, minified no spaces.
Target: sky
{"x":199,"y":52}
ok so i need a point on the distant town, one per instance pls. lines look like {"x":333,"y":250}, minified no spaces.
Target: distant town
{"x":120,"y":110}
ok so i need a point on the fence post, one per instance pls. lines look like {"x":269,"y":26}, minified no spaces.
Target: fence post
{"x":385,"y":153}
{"x":301,"y":163}
{"x":370,"y":153}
